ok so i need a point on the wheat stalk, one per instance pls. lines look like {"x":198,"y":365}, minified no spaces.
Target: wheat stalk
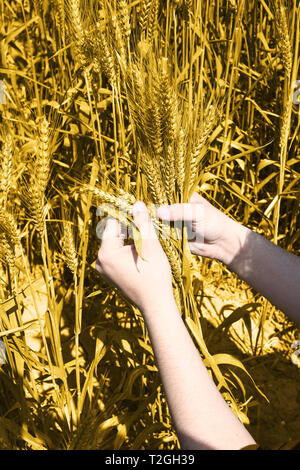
{"x":285,"y":126}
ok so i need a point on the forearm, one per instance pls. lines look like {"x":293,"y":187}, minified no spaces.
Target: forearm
{"x":202,"y":418}
{"x":272,"y":271}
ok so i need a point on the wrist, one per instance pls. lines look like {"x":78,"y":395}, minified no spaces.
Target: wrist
{"x":160,"y":306}
{"x":233,"y":243}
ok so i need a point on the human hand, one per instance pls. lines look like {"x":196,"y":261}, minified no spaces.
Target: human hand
{"x":216,"y":235}
{"x":144,"y":281}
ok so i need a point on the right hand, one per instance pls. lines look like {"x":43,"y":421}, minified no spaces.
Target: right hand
{"x":217,"y":236}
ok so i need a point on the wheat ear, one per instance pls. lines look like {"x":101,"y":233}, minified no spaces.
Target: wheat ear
{"x":153,"y":20}
{"x":144,"y":15}
{"x":167,"y":102}
{"x":6,"y":167}
{"x":284,"y":43}
{"x":40,"y":176}
{"x":102,"y":197}
{"x":173,"y":257}
{"x":180,"y":160}
{"x":78,"y":31}
{"x":154,"y":180}
{"x":38,"y":7}
{"x":7,"y":252}
{"x":8,"y":226}
{"x":103,"y":55}
{"x":189,"y":5}
{"x":124,"y":19}
{"x":61,"y":16}
{"x":9,"y":238}
{"x":204,"y":133}
{"x":68,"y":247}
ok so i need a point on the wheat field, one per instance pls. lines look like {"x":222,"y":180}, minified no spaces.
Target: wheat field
{"x":103,"y":103}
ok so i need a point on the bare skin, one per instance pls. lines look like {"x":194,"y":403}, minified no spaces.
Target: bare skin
{"x":202,"y":418}
{"x":269,"y":269}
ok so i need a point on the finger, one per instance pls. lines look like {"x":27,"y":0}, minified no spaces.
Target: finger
{"x":143,"y":222}
{"x":98,"y":266}
{"x":195,"y":197}
{"x":186,"y":212}
{"x":112,"y":237}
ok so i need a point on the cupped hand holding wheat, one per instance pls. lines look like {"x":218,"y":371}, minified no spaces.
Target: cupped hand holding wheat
{"x":145,"y":281}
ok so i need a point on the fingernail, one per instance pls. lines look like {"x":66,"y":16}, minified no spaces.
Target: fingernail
{"x":139,"y":206}
{"x":163,"y":212}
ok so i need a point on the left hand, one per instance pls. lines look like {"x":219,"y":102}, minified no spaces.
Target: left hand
{"x":144,"y":281}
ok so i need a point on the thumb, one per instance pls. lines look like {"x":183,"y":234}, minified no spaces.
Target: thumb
{"x":144,"y":223}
